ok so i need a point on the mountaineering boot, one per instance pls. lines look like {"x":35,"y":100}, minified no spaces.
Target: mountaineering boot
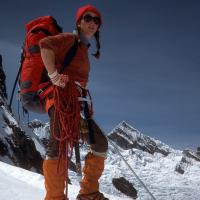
{"x":94,"y":166}
{"x":54,"y":181}
{"x":93,"y":196}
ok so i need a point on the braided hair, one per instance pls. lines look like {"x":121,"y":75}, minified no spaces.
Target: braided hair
{"x":97,"y":54}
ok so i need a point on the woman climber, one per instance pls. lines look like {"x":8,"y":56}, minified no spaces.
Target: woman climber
{"x":64,"y":106}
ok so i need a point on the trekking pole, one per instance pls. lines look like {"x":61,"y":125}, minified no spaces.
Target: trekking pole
{"x":131,"y":169}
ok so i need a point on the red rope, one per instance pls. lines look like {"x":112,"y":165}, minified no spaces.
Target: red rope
{"x":66,"y":122}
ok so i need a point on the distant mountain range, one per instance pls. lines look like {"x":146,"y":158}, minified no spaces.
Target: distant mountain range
{"x":168,"y":173}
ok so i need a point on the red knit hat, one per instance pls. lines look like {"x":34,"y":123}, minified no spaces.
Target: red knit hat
{"x":87,"y":8}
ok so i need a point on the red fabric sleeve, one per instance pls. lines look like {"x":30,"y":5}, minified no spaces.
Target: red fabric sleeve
{"x":59,"y":43}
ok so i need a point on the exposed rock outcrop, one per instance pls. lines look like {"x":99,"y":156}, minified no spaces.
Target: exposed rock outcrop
{"x":125,"y":187}
{"x":16,"y":146}
{"x":186,"y":160}
{"x":198,"y":151}
{"x":191,"y":154}
{"x":182,"y":165}
{"x":3,"y":92}
{"x":127,"y":137}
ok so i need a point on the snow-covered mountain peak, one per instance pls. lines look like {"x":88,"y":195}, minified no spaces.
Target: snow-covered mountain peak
{"x":124,"y":127}
{"x":128,"y":137}
{"x":168,"y":173}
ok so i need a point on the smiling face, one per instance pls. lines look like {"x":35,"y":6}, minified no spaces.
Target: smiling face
{"x":89,"y":24}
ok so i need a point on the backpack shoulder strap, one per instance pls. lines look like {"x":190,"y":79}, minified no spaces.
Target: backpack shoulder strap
{"x":70,"y":55}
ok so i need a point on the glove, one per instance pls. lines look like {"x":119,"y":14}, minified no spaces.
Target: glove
{"x":59,"y":79}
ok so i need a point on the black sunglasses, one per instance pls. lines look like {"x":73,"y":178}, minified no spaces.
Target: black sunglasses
{"x":89,"y":18}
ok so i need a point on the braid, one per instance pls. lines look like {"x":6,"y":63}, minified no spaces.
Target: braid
{"x":97,"y":54}
{"x":78,"y":29}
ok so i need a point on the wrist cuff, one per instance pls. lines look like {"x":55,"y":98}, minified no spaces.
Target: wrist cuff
{"x":52,"y":75}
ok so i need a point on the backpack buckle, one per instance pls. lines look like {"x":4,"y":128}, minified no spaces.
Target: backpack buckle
{"x":40,"y":91}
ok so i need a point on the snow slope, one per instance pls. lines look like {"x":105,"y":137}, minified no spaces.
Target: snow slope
{"x":153,"y":161}
{"x":19,"y":184}
{"x":159,"y":175}
{"x":156,"y":169}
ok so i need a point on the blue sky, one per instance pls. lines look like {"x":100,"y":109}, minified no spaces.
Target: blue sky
{"x":149,"y":71}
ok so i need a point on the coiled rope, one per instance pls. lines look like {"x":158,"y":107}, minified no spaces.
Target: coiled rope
{"x":66,"y":123}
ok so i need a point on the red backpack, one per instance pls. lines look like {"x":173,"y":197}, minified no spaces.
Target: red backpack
{"x":32,"y":74}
